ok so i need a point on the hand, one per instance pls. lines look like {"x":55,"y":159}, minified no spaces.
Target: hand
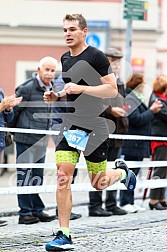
{"x":16,"y":101}
{"x":50,"y":96}
{"x":9,"y":102}
{"x":118,"y":112}
{"x":156,"y":106}
{"x":72,"y":88}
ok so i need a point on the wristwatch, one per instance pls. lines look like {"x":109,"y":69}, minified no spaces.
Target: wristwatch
{"x":58,"y":95}
{"x":8,"y":111}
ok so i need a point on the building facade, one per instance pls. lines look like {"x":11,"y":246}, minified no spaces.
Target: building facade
{"x":32,"y":29}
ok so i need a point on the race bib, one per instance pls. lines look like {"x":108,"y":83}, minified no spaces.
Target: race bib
{"x":76,"y":138}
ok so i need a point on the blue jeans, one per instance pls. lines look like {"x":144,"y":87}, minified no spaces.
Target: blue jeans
{"x":30,"y":204}
{"x":127,"y":197}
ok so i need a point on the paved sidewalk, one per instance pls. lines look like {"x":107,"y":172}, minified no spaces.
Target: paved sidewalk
{"x":129,"y":233}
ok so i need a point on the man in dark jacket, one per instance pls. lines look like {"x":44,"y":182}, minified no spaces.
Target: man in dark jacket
{"x":31,"y":148}
{"x":116,"y":113}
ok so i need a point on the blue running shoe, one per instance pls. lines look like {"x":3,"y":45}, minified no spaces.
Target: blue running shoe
{"x":60,"y":243}
{"x":130,"y":180}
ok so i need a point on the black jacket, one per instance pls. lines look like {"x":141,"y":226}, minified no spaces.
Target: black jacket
{"x":140,"y":119}
{"x":159,"y":124}
{"x":121,"y":123}
{"x":4,"y":118}
{"x":31,"y":115}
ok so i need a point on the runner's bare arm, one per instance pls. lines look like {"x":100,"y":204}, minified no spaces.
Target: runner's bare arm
{"x":107,"y":90}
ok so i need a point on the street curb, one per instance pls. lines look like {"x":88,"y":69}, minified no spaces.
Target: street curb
{"x":14,"y":212}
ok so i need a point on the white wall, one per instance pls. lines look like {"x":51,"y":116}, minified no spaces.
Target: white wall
{"x":51,"y":13}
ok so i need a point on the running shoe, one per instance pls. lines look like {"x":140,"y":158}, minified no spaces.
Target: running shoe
{"x":60,"y":243}
{"x":130,"y":180}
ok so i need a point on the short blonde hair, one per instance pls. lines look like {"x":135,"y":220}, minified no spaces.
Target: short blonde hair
{"x":160,"y":84}
{"x":136,"y":79}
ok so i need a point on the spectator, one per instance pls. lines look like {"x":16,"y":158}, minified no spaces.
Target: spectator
{"x":117,"y":114}
{"x":6,"y":114}
{"x":140,"y":118}
{"x":159,"y":149}
{"x":31,"y":148}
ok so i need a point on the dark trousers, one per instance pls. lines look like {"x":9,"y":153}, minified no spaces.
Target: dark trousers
{"x":127,"y":197}
{"x":30,"y":204}
{"x":95,"y":197}
{"x":160,"y":154}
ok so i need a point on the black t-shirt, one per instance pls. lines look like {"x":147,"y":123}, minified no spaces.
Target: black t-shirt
{"x":85,"y":69}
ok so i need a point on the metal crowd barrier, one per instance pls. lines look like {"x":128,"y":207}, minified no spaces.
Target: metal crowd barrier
{"x":153,"y":183}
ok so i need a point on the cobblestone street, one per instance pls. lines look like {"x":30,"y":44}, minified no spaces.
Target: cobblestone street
{"x":138,"y":232}
{"x":146,"y":231}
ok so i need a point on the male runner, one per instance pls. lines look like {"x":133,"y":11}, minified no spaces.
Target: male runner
{"x":86,"y":72}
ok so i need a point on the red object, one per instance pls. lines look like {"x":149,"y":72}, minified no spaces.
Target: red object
{"x":155,"y":144}
{"x":148,"y":177}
